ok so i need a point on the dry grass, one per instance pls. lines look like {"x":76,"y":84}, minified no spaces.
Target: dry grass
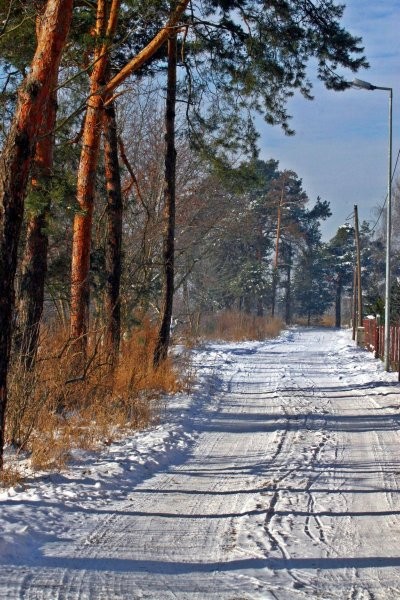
{"x":238,"y":326}
{"x":10,"y":477}
{"x":49,"y":414}
{"x":326,"y":320}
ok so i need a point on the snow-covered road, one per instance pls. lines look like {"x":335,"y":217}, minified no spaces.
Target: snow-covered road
{"x":278,"y":478}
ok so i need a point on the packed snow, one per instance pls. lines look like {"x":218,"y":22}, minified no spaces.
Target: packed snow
{"x":277,"y":477}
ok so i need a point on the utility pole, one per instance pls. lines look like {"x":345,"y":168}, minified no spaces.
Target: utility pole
{"x":354,"y":307}
{"x":358,"y":262}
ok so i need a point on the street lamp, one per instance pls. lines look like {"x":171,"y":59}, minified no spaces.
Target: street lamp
{"x":365,"y":85}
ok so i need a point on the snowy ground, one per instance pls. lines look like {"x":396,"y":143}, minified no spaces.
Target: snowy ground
{"x":278,"y":478}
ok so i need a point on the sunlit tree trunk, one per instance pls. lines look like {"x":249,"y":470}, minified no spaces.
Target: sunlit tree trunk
{"x":106,"y":23}
{"x":15,"y":164}
{"x":89,"y":158}
{"x":161,"y":349}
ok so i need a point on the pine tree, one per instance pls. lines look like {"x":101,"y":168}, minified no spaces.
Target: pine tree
{"x":16,"y":160}
{"x":342,"y":260}
{"x":312,"y":288}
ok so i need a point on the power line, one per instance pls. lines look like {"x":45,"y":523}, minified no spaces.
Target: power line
{"x":386,"y":197}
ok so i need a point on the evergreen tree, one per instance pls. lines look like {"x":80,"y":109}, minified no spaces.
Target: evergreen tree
{"x":372,"y":270}
{"x":313,"y":293}
{"x":254,"y":55}
{"x":341,"y":253}
{"x":16,"y":160}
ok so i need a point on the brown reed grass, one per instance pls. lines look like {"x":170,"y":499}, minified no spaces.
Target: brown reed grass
{"x":238,"y":326}
{"x":49,"y":413}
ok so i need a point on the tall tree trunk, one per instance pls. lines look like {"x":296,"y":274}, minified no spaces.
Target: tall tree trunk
{"x":15,"y":164}
{"x":275,"y":274}
{"x":34,"y":263}
{"x":82,"y":229}
{"x":275,"y":279}
{"x":338,"y":303}
{"x":247,"y":304}
{"x":89,"y":158}
{"x":260,"y":307}
{"x":259,"y":299}
{"x":114,"y":234}
{"x":161,"y":349}
{"x":288,"y":298}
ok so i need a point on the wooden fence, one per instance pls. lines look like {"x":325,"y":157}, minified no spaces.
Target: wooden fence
{"x":374,"y":340}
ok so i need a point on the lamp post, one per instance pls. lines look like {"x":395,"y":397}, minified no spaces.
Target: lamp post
{"x":365,"y":85}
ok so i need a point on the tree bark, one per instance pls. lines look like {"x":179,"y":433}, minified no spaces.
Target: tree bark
{"x":15,"y":164}
{"x":275,"y":274}
{"x":259,"y":299}
{"x":114,"y":234}
{"x":260,"y":307}
{"x":338,"y":303}
{"x":144,"y":55}
{"x":163,"y":340}
{"x":89,"y":159}
{"x":34,"y":263}
{"x":82,"y":228}
{"x":288,"y":298}
{"x":275,"y":278}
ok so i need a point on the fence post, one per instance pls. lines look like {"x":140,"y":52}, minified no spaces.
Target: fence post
{"x":371,"y":337}
{"x":366,"y":332}
{"x":376,"y":343}
{"x":390,"y":345}
{"x":398,"y":350}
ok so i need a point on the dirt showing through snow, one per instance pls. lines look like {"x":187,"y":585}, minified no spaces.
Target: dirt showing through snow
{"x":277,"y":478}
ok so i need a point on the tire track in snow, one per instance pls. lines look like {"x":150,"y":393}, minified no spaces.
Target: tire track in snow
{"x":261,"y":503}
{"x":286,"y":441}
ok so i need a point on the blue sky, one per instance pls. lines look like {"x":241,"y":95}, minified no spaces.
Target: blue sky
{"x":340,"y":149}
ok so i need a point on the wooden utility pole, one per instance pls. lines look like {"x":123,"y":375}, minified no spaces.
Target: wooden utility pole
{"x":358,"y":267}
{"x":354,"y":308}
